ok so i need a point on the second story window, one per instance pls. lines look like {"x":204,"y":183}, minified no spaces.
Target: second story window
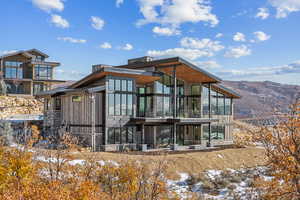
{"x":14,"y":72}
{"x":43,"y":72}
{"x":57,"y":103}
{"x":39,"y":58}
{"x":120,"y":97}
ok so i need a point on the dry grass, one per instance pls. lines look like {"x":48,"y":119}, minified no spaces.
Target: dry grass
{"x":191,"y":162}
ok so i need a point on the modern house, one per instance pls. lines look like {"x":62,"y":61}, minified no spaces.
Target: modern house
{"x":166,"y":103}
{"x":27,"y":72}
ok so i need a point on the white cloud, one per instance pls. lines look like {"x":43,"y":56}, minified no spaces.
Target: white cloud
{"x":165,"y":31}
{"x":239,"y":37}
{"x":176,"y":12}
{"x":285,"y":7}
{"x":8,"y":52}
{"x":237,"y":52}
{"x":191,"y":54}
{"x":127,"y":47}
{"x":97,"y":22}
{"x":60,"y":22}
{"x":68,"y":74}
{"x":119,"y":3}
{"x":205,"y":43}
{"x":263,"y":71}
{"x":72,"y":40}
{"x":106,"y":45}
{"x":211,"y":64}
{"x":263,"y":13}
{"x":261,"y":36}
{"x":49,"y":5}
{"x":219,"y":35}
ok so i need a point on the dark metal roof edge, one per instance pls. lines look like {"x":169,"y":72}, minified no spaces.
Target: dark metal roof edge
{"x":115,"y":70}
{"x":24,"y":52}
{"x":228,"y":90}
{"x":15,"y":53}
{"x":38,"y":51}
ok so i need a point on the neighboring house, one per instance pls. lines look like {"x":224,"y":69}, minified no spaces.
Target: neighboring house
{"x":27,"y":72}
{"x":133,"y":106}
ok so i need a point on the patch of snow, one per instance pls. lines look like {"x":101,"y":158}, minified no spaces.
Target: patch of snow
{"x":44,"y":159}
{"x":180,"y":187}
{"x":212,"y":174}
{"x":101,"y":162}
{"x":77,"y":162}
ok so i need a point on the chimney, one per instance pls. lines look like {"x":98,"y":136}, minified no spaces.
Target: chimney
{"x":144,"y":59}
{"x":99,"y":67}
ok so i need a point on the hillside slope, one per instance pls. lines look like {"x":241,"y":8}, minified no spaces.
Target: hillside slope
{"x":262,"y":98}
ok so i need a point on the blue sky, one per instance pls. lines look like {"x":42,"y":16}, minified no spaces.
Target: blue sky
{"x":234,"y":39}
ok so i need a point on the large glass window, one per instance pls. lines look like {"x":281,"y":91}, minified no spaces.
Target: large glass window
{"x":217,"y":132}
{"x":130,"y":104}
{"x":111,"y":84}
{"x":164,"y":136}
{"x":145,"y":102}
{"x":57,"y":103}
{"x":214,"y":102}
{"x":117,"y":85}
{"x":38,"y":87}
{"x":43,"y":72}
{"x":120,"y":97}
{"x":13,"y":63}
{"x":14,"y":72}
{"x":117,"y":104}
{"x":111,"y":103}
{"x":228,"y":106}
{"x":124,"y":135}
{"x":205,"y":100}
{"x":221,"y":104}
{"x":39,"y":58}
{"x":124,"y":104}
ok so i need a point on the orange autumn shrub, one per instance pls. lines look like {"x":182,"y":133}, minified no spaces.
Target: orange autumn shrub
{"x":282,"y":147}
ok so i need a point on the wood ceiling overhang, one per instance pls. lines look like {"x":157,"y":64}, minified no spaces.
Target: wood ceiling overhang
{"x":226,"y":91}
{"x":185,"y":70}
{"x":140,"y":76}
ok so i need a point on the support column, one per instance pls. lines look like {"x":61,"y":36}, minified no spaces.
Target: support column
{"x":2,"y":68}
{"x":209,"y":115}
{"x":93,"y":123}
{"x":174,"y":106}
{"x":143,"y":134}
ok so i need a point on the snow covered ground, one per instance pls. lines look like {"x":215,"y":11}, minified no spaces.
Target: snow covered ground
{"x":217,"y":184}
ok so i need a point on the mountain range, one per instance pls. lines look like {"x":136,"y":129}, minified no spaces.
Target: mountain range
{"x":262,"y":99}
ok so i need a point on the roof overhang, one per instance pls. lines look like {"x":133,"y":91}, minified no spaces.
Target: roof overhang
{"x":64,"y":90}
{"x":141,"y":76}
{"x":38,"y":52}
{"x":184,"y":70}
{"x":23,"y":53}
{"x":226,"y":91}
{"x":52,"y":64}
